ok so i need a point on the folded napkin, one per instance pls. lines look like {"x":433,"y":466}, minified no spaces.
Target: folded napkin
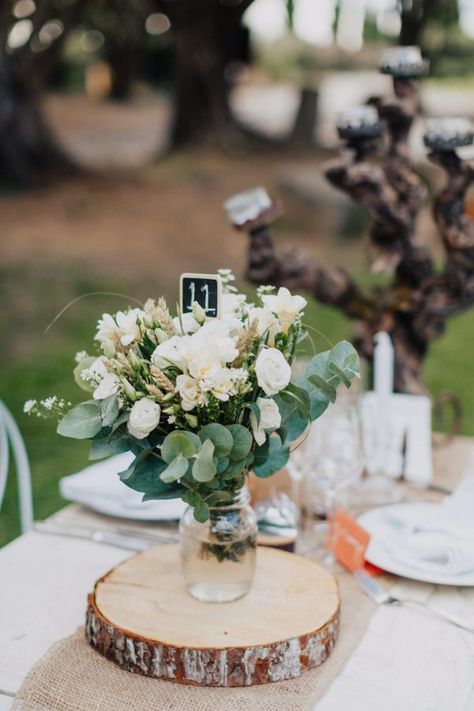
{"x":436,"y":538}
{"x":433,"y":552}
{"x":99,"y":487}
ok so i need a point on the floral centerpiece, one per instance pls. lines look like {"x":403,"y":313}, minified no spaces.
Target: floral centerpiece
{"x":202,"y":401}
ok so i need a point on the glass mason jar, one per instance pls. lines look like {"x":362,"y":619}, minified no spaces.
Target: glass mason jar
{"x":218,"y":556}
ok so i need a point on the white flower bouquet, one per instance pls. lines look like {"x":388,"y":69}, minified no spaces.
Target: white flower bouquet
{"x":201,"y":401}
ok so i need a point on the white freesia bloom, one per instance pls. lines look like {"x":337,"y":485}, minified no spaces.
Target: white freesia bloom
{"x":285,"y":306}
{"x":144,"y":417}
{"x":109,"y":385}
{"x":267,"y":323}
{"x":125,"y":328}
{"x":189,"y":392}
{"x":128,"y":324}
{"x":171,"y":352}
{"x":270,"y":419}
{"x":272,"y":370}
{"x":186,"y":322}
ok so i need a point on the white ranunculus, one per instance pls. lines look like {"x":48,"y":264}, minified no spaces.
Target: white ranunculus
{"x":273,"y":372}
{"x":189,"y":392}
{"x":267,"y":323}
{"x":205,"y":364}
{"x":170,"y":352}
{"x":144,"y":417}
{"x":109,"y":385}
{"x":285,"y":306}
{"x":270,"y":419}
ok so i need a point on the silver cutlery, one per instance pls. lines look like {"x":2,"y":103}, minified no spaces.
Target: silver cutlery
{"x":115,"y":537}
{"x":382,"y":597}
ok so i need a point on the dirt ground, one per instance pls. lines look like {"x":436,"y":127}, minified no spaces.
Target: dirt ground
{"x":160,"y":217}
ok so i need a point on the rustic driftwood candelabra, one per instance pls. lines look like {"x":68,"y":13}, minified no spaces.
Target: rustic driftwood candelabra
{"x":415,"y":306}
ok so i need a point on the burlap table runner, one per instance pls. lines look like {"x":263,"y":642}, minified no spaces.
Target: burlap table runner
{"x":73,"y":677}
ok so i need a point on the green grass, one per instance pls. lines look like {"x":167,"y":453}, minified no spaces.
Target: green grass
{"x":36,"y":365}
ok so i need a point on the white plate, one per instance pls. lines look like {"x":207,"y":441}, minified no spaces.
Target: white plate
{"x":375,"y":522}
{"x":99,"y":488}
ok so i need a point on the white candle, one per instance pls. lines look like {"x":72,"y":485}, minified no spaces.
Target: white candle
{"x":383,"y":364}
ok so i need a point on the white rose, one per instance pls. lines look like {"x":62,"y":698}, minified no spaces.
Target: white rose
{"x":285,"y":306}
{"x":270,"y":419}
{"x":267,"y":323}
{"x":273,"y":372}
{"x":144,"y":417}
{"x":189,"y":392}
{"x":109,"y":385}
{"x":170,"y":352}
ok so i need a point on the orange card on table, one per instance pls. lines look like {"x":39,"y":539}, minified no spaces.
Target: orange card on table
{"x":347,"y":540}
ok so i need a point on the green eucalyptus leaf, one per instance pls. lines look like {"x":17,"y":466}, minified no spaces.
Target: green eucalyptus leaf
{"x":325,"y":372}
{"x":175,"y":470}
{"x":272,"y":459}
{"x":300,"y":397}
{"x":201,"y":512}
{"x":220,"y":437}
{"x":243,"y":441}
{"x":222,"y":464}
{"x":143,"y":474}
{"x":109,"y":408}
{"x":179,"y":442}
{"x":107,"y":446}
{"x":192,"y":497}
{"x":326,"y":388}
{"x":121,"y":419}
{"x":83,"y":365}
{"x":82,"y":422}
{"x":204,"y":467}
{"x":293,"y":422}
{"x":334,"y":368}
{"x":253,"y":407}
{"x":234,"y":469}
{"x":167,"y":491}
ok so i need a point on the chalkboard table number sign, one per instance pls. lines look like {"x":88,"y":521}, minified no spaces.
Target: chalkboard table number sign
{"x":206,"y":289}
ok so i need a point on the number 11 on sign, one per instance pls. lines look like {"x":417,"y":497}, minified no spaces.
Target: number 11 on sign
{"x":205,"y":289}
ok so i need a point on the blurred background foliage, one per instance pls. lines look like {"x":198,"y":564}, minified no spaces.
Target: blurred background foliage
{"x":124,"y":124}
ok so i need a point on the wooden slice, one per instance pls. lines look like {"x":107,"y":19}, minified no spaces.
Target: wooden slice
{"x":141,"y":617}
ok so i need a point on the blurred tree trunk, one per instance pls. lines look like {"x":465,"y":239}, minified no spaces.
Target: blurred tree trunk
{"x":416,"y":14}
{"x":122,"y":22}
{"x":29,"y":153}
{"x":208,"y":35}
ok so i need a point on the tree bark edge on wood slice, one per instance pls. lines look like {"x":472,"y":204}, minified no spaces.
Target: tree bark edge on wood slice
{"x":213,"y":665}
